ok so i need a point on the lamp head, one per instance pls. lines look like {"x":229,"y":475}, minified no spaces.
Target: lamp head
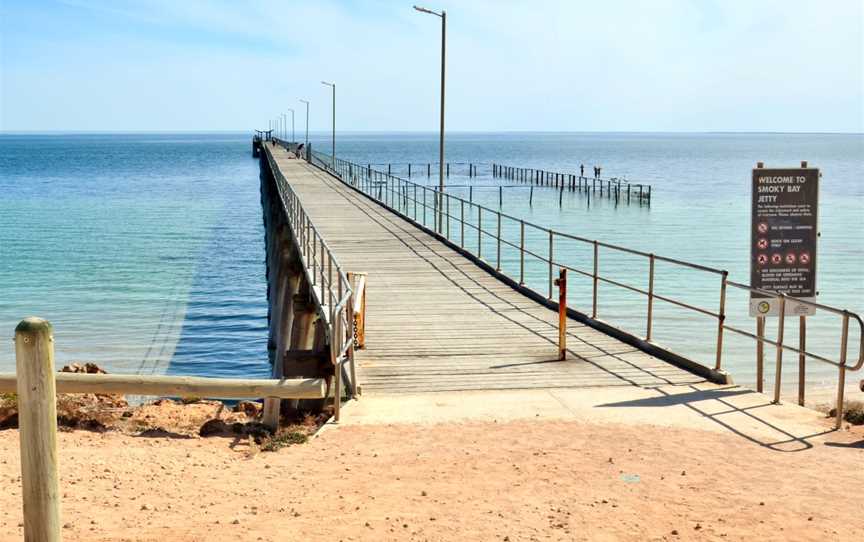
{"x":426,"y":10}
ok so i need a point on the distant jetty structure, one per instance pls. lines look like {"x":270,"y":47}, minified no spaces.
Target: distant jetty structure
{"x":621,"y":190}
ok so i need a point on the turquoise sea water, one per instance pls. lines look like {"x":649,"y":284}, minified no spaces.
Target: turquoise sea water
{"x":146,"y":251}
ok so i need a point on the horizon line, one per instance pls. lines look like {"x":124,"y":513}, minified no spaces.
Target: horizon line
{"x":385,"y":131}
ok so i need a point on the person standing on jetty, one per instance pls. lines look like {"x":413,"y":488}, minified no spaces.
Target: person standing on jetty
{"x":581,"y":170}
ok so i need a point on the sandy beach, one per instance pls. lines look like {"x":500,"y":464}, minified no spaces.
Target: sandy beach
{"x":525,"y":479}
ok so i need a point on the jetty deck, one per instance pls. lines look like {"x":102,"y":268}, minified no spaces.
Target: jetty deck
{"x":435,"y":321}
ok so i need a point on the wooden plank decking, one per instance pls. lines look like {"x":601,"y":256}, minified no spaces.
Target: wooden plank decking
{"x":438,"y":322}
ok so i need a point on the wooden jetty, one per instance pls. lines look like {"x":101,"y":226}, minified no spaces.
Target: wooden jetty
{"x":437,"y":321}
{"x":443,"y":314}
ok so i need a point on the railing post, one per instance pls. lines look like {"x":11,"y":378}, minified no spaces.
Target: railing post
{"x":551,"y":258}
{"x":650,"y":297}
{"x":462,"y":222}
{"x":780,"y":329}
{"x":841,"y":378}
{"x":37,"y":421}
{"x":561,"y":282}
{"x":802,"y":358}
{"x":498,"y":237}
{"x":321,"y":284}
{"x":760,"y":353}
{"x":721,"y":318}
{"x":521,"y":252}
{"x":337,"y":391}
{"x":479,"y":231}
{"x":595,"y":279}
{"x":447,"y":213}
{"x":306,"y":236}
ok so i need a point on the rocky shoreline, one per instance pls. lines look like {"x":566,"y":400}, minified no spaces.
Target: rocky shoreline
{"x":168,"y":417}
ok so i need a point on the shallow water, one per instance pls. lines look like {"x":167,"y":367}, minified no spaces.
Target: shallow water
{"x":146,"y":251}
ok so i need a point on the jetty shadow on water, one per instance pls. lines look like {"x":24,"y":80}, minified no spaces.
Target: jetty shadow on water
{"x":224,"y":328}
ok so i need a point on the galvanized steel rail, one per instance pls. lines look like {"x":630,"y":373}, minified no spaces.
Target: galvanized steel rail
{"x":416,"y":202}
{"x":330,"y":288}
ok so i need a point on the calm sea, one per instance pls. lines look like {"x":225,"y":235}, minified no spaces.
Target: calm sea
{"x":146,"y":251}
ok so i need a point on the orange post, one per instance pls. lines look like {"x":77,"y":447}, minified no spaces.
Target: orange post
{"x":561,"y":283}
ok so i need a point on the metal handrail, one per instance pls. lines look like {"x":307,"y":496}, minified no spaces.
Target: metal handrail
{"x":331,"y":295}
{"x":394,"y":193}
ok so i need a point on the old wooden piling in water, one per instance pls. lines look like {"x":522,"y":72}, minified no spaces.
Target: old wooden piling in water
{"x":613,"y":188}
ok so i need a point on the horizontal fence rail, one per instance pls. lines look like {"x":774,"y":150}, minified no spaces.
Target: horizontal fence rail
{"x":180,"y":386}
{"x":477,"y":230}
{"x":36,"y":385}
{"x":330,"y":288}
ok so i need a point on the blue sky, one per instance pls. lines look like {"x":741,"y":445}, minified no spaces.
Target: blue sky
{"x":664,"y":65}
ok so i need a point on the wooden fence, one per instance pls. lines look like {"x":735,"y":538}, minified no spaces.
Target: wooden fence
{"x":37,"y":384}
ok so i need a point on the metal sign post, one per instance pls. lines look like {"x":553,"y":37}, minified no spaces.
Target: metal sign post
{"x":783,"y":245}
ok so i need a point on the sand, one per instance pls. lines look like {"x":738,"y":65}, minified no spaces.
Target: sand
{"x":519,"y":480}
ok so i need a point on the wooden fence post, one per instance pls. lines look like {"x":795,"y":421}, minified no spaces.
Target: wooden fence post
{"x":37,"y":420}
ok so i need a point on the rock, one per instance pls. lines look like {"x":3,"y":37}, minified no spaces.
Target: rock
{"x":250,"y":408}
{"x":214,"y":427}
{"x":88,"y":368}
{"x":8,"y":416}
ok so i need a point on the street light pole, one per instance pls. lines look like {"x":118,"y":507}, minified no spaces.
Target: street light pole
{"x":307,"y":120}
{"x":333,"y":147}
{"x":293,"y":138}
{"x":443,"y":16}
